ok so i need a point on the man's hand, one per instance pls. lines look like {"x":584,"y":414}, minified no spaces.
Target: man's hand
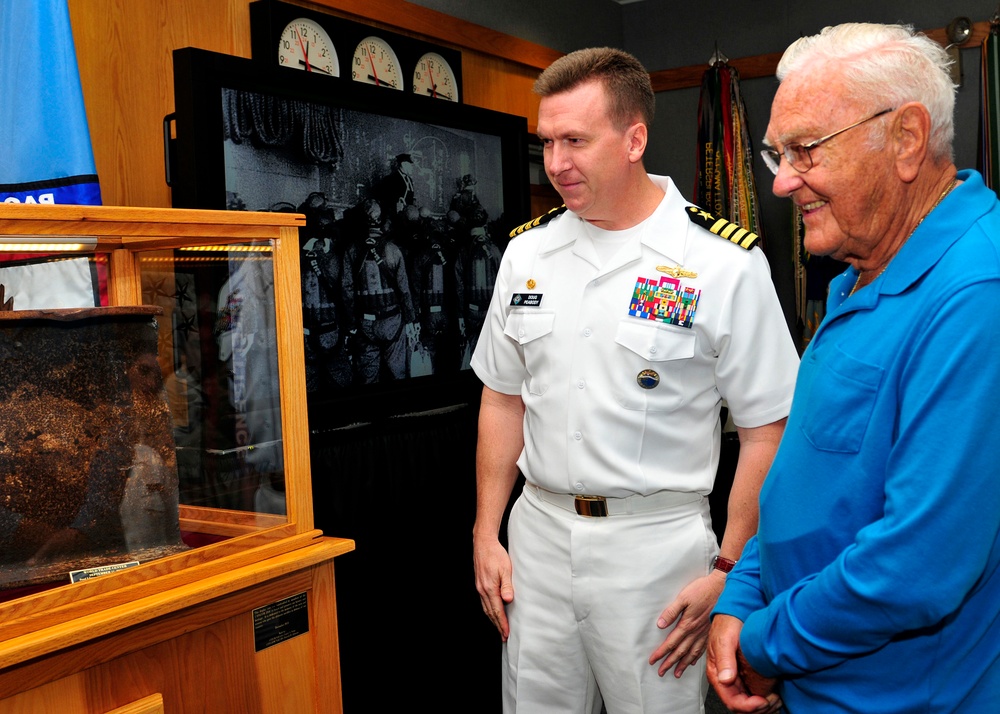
{"x":493,"y":581}
{"x":691,"y":610}
{"x":724,"y":671}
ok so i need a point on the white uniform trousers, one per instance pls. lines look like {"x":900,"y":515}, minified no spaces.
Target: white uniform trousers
{"x":587,"y":594}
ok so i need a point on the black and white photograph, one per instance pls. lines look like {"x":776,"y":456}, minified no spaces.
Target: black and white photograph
{"x":408,"y":208}
{"x":404,"y":222}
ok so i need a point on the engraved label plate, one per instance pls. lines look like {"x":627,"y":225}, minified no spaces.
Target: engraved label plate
{"x":280,"y":621}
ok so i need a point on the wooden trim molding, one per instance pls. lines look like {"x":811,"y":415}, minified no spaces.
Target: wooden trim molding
{"x":451,"y":30}
{"x":398,"y":14}
{"x":764,"y":65}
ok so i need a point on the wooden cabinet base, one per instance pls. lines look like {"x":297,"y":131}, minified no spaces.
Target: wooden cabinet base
{"x":209,"y":656}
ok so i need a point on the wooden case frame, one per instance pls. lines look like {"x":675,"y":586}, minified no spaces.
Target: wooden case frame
{"x":254,"y":546}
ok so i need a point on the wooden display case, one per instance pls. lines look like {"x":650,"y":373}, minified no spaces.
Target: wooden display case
{"x":244,"y":620}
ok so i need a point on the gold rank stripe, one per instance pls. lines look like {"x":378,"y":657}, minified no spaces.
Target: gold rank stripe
{"x":723,"y":228}
{"x":735,"y":234}
{"x":535,"y":222}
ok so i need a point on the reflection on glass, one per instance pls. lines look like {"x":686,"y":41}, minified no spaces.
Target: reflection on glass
{"x":218,"y":352}
{"x":87,"y":459}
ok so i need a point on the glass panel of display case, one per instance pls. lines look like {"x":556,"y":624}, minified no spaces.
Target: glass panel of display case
{"x":72,"y":501}
{"x":218,"y":355}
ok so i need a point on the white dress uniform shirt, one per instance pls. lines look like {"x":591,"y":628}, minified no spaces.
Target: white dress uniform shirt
{"x":623,"y":360}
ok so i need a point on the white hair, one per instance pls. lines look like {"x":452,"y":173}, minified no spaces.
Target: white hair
{"x":884,"y":66}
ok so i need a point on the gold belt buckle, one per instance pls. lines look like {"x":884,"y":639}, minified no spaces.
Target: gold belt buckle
{"x":591,"y":506}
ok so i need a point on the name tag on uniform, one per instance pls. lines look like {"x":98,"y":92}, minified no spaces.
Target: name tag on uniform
{"x":526,"y":299}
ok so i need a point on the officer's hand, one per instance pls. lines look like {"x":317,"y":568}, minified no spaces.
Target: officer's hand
{"x":493,"y":581}
{"x":690,"y":611}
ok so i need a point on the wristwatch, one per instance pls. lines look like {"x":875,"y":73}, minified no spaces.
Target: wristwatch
{"x":723,"y":564}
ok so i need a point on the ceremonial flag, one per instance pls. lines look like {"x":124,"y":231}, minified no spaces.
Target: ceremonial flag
{"x":724,"y":182}
{"x":712,"y":177}
{"x":989,"y":118}
{"x":45,"y":152}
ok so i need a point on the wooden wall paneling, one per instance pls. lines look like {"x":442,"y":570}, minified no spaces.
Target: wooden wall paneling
{"x":493,"y":83}
{"x":124,"y":51}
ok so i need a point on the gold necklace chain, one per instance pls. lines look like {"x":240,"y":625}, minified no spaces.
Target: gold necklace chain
{"x":947,"y":190}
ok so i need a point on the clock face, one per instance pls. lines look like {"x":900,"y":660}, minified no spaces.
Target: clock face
{"x":376,"y":63}
{"x":434,"y":77}
{"x":305,"y":45}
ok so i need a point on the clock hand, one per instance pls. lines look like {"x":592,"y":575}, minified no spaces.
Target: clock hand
{"x":434,"y":93}
{"x":430,"y":74}
{"x":314,"y":68}
{"x":374,"y":75}
{"x":305,"y":52}
{"x":380,"y":82}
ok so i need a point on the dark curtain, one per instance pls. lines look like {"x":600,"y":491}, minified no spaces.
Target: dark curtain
{"x":404,"y":489}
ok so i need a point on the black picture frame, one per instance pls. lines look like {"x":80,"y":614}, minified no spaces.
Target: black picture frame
{"x":447,"y":143}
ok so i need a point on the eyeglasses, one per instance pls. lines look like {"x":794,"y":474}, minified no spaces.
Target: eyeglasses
{"x":798,"y":156}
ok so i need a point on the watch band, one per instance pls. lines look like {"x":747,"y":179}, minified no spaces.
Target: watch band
{"x":723,"y":564}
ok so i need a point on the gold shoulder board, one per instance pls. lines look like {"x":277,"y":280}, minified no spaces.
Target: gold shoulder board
{"x":541,"y":220}
{"x":721,"y":227}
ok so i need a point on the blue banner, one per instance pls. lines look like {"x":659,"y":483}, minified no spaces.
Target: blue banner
{"x":45,"y":150}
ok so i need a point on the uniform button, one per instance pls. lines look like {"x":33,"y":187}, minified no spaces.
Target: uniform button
{"x":581,"y":384}
{"x":577,"y":435}
{"x":652,"y":350}
{"x":587,"y":332}
{"x":579,"y":486}
{"x":520,"y":333}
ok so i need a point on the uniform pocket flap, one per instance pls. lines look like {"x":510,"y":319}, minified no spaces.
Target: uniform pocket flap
{"x":655,"y":343}
{"x":523,"y":327}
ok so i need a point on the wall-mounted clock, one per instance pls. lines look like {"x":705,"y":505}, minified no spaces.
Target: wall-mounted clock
{"x":375,"y":62}
{"x":287,"y":35}
{"x":434,"y":77}
{"x":304,"y":44}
